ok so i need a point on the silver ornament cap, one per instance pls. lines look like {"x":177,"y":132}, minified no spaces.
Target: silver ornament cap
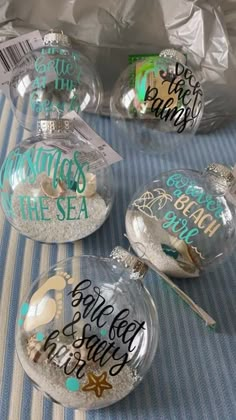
{"x":52,"y":126}
{"x":222,"y":174}
{"x":57,"y":38}
{"x":175,"y":54}
{"x":136,"y":266}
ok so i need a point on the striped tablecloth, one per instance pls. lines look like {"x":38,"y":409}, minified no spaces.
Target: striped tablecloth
{"x":193,"y":375}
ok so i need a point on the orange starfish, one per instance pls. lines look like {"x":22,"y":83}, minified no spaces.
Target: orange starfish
{"x":97,"y":384}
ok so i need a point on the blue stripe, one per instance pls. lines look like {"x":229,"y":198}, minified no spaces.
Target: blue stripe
{"x":27,"y":384}
{"x":10,"y":340}
{"x":192,"y":375}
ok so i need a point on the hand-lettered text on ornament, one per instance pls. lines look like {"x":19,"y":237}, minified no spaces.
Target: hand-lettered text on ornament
{"x":56,"y":74}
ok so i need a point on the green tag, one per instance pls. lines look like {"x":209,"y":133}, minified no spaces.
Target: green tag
{"x":152,"y":73}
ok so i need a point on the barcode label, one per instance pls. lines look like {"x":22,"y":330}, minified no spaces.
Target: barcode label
{"x":11,"y":55}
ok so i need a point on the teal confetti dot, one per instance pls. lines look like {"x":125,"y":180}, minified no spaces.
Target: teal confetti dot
{"x":20,"y":322}
{"x":72,"y":384}
{"x":24,"y":309}
{"x":103,"y":332}
{"x":39,"y":336}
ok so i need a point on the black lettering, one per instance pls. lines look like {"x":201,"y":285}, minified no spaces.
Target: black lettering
{"x":131,"y":339}
{"x":69,"y":368}
{"x":77,"y":291}
{"x":115,"y":370}
{"x":115,"y":323}
{"x":81,"y":341}
{"x":148,"y":92}
{"x":99,"y":349}
{"x":68,"y":330}
{"x":54,"y":334}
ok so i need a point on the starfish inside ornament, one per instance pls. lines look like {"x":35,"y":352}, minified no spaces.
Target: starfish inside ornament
{"x":98,"y":384}
{"x":88,"y":330}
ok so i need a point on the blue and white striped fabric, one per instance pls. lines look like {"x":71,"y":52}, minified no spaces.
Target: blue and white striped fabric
{"x":193,"y":376}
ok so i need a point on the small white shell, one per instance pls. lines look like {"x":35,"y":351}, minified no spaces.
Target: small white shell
{"x":91,"y":185}
{"x":49,"y":191}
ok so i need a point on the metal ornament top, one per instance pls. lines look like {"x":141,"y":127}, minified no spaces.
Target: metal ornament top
{"x":57,"y":38}
{"x":223,"y":174}
{"x":176,"y":55}
{"x":136,"y":266}
{"x":51,"y":126}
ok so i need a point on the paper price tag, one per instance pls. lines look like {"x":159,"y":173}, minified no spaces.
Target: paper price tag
{"x":11,"y":53}
{"x":86,"y":132}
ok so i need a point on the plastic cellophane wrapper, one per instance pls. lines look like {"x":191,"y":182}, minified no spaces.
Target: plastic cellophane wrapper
{"x":108,"y":31}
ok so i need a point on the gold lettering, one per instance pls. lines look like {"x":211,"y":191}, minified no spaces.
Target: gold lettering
{"x":186,"y":210}
{"x":197,"y":215}
{"x":180,"y":203}
{"x":212,"y":228}
{"x":207,"y":216}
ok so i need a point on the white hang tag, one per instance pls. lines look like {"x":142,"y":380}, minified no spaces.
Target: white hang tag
{"x":87,"y":133}
{"x":11,"y":53}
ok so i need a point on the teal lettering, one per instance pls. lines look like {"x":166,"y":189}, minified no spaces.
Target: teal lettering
{"x":62,"y":66}
{"x":186,"y":186}
{"x":79,"y":177}
{"x":186,"y":236}
{"x":39,"y":82}
{"x":25,"y":167}
{"x":83,"y":209}
{"x":30,"y":173}
{"x":177,"y":180}
{"x":38,"y":105}
{"x":40,"y":65}
{"x":32,"y":208}
{"x":42,"y":208}
{"x":6,"y":200}
{"x":74,"y":104}
{"x":70,"y":207}
{"x":177,"y":193}
{"x":66,"y":171}
{"x":65,"y":84}
{"x":62,"y":214}
{"x":179,"y":226}
{"x":46,"y":160}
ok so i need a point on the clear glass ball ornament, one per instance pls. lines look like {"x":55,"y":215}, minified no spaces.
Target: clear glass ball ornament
{"x":184,"y":221}
{"x":157,"y":102}
{"x":55,"y":186}
{"x":50,"y":82}
{"x":87,"y":331}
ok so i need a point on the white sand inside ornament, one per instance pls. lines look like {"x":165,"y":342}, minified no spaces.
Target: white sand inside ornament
{"x":146,"y":237}
{"x":58,"y":228}
{"x":51,"y":380}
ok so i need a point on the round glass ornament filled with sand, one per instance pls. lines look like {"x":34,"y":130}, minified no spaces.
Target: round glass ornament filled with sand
{"x":184,"y":221}
{"x":55,"y":186}
{"x":87,"y":331}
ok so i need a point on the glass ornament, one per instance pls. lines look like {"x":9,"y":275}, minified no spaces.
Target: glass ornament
{"x":55,"y":186}
{"x":87,"y":331}
{"x":157,"y":102}
{"x":184,"y":221}
{"x":50,"y":82}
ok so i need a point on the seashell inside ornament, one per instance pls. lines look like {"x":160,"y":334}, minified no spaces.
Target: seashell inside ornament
{"x":55,"y":186}
{"x":184,"y":221}
{"x":157,"y":102}
{"x":50,"y":82}
{"x":87,"y":331}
